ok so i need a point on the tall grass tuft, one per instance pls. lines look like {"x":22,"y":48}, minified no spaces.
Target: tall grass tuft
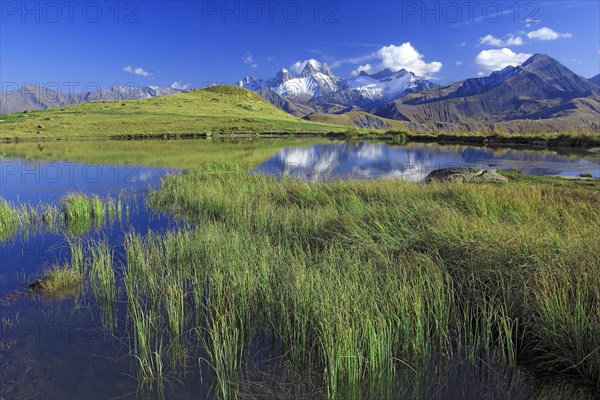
{"x":102,"y":281}
{"x":59,"y":282}
{"x":9,"y":219}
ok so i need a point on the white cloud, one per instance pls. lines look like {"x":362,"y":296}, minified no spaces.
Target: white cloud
{"x":298,"y":66}
{"x":515,"y":41}
{"x":180,"y":86}
{"x":458,"y":62}
{"x":366,"y":68}
{"x":493,"y":60}
{"x":496,"y":42}
{"x":137,"y":71}
{"x":463,"y":44}
{"x":547,"y":34}
{"x":491,"y":40}
{"x":141,"y":72}
{"x":249,"y":60}
{"x":403,"y":56}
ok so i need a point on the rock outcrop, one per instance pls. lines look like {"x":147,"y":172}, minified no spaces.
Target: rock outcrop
{"x":464,"y":174}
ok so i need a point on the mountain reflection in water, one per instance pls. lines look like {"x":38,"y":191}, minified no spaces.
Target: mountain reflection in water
{"x":363,"y":160}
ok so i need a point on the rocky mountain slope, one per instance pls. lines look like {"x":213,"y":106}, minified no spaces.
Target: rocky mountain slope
{"x":539,"y":89}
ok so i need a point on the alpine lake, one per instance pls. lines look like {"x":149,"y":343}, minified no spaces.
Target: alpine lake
{"x":296,"y":268}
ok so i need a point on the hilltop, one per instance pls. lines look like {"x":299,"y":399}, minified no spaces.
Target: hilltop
{"x":218,"y":109}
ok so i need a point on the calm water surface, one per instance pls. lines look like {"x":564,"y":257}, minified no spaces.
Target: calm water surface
{"x":323,"y":162}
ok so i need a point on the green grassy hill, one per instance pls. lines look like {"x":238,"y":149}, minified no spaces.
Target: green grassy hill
{"x":219,"y":109}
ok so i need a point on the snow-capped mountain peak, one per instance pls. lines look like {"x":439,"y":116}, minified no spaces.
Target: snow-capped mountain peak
{"x":317,"y":83}
{"x":309,"y":70}
{"x":387,"y":85}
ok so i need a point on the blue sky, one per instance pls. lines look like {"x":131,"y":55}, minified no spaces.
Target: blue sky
{"x":196,"y":42}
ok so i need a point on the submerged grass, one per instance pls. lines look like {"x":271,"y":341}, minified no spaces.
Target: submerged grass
{"x":58,"y":282}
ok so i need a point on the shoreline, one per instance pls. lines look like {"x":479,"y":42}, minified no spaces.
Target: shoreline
{"x":538,"y":142}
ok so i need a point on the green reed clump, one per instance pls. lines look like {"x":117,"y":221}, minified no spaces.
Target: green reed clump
{"x":174,"y":302}
{"x":568,"y":322}
{"x":102,"y":276}
{"x":97,"y":211}
{"x":148,"y":344}
{"x":77,"y":212}
{"x":111,"y":209}
{"x":76,"y":206}
{"x":81,"y":212}
{"x":9,"y":219}
{"x":58,"y":281}
{"x":77,"y":258}
{"x":102,"y":280}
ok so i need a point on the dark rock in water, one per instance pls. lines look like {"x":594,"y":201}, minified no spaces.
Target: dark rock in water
{"x":35,"y":285}
{"x":464,"y":174}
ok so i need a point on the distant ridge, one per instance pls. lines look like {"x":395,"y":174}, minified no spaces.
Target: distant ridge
{"x":37,"y":97}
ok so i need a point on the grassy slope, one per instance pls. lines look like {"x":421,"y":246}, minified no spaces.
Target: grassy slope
{"x":220,"y":109}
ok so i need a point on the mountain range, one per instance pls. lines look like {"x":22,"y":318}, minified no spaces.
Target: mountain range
{"x":540,"y":94}
{"x":36,"y":97}
{"x":540,"y":89}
